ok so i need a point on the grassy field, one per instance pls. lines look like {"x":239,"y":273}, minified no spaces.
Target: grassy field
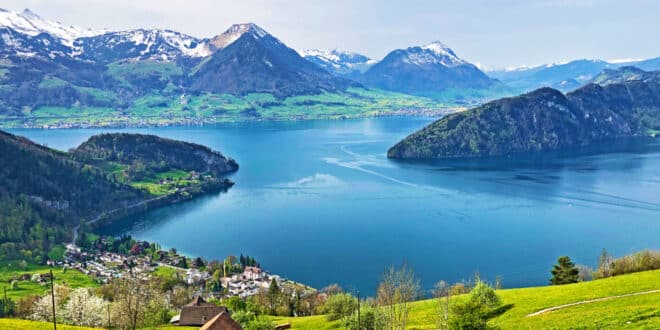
{"x":636,"y":312}
{"x":16,"y":324}
{"x":11,"y":270}
{"x":171,"y":181}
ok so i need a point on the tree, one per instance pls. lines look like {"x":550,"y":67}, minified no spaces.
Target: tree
{"x":273,"y":295}
{"x":442,"y":293}
{"x":198,"y":263}
{"x":85,"y":309}
{"x":564,"y":272}
{"x":605,"y":262}
{"x":397,"y":289}
{"x":137,"y":304}
{"x":475,"y":312}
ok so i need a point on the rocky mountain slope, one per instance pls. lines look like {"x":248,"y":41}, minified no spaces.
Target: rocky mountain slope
{"x":544,"y":119}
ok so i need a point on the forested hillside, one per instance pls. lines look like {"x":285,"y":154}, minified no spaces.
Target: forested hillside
{"x":44,"y":192}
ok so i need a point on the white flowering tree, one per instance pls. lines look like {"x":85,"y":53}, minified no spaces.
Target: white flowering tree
{"x":43,"y":308}
{"x":85,"y":309}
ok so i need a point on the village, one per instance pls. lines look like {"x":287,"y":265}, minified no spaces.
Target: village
{"x":103,"y":266}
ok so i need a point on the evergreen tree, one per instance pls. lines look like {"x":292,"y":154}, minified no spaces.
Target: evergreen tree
{"x":564,"y":272}
{"x":273,"y":295}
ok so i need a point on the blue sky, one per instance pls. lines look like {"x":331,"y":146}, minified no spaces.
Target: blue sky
{"x":496,"y":34}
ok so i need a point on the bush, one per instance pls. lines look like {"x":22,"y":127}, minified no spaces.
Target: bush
{"x":260,"y":323}
{"x":371,"y":318}
{"x":339,"y":306}
{"x":475,"y":312}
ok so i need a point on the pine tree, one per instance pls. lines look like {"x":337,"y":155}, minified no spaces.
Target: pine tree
{"x":564,"y":272}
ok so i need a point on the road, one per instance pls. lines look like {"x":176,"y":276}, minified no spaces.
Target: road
{"x":72,"y":245}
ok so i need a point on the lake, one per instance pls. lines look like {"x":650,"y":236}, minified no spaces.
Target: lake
{"x":318,"y":202}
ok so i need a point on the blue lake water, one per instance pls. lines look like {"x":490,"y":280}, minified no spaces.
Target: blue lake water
{"x":319,"y":202}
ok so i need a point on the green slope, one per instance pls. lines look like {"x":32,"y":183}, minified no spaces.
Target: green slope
{"x":642,"y":311}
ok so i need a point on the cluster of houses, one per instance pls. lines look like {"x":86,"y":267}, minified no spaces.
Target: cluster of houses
{"x":104,"y":266}
{"x":249,"y":283}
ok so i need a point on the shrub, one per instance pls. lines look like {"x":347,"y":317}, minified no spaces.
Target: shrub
{"x":371,"y":318}
{"x":475,"y":312}
{"x":339,"y":306}
{"x":638,"y":262}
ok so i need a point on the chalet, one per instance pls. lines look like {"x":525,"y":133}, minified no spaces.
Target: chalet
{"x":199,"y":312}
{"x":221,"y":321}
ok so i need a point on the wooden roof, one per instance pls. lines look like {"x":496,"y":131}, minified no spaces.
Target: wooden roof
{"x":199,"y":312}
{"x":221,"y":321}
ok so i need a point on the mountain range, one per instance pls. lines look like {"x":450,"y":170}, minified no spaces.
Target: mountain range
{"x":55,"y":75}
{"x":59,"y":68}
{"x":564,"y":76}
{"x":625,"y":103}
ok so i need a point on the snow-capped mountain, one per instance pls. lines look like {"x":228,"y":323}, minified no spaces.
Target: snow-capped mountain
{"x":27,"y":22}
{"x":340,"y":63}
{"x":425,"y":69}
{"x":249,"y":59}
{"x":140,"y":44}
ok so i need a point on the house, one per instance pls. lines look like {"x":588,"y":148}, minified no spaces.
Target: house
{"x":221,"y":321}
{"x":198,"y":312}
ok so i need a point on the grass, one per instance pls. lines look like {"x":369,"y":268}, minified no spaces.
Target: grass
{"x":173,"y":179}
{"x":11,"y":270}
{"x":17,"y":324}
{"x":639,"y":312}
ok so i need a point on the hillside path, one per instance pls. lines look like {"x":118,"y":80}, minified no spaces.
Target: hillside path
{"x":550,"y":309}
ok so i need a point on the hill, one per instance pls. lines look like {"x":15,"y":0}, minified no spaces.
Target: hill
{"x":541,"y":120}
{"x":44,"y":193}
{"x":639,"y":311}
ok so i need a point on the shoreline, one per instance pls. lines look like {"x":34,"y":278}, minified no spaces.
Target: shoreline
{"x":144,"y":122}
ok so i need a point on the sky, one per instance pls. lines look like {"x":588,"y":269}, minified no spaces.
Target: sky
{"x":495,"y":34}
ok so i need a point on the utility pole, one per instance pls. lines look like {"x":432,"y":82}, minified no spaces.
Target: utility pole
{"x":358,"y":296}
{"x":5,"y":308}
{"x":52,"y":297}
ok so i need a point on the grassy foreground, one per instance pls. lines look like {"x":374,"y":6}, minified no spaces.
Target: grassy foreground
{"x":16,"y":324}
{"x":636,"y":312}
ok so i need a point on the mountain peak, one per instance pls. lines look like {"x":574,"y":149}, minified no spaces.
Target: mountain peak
{"x":440,"y":49}
{"x":236,"y":31}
